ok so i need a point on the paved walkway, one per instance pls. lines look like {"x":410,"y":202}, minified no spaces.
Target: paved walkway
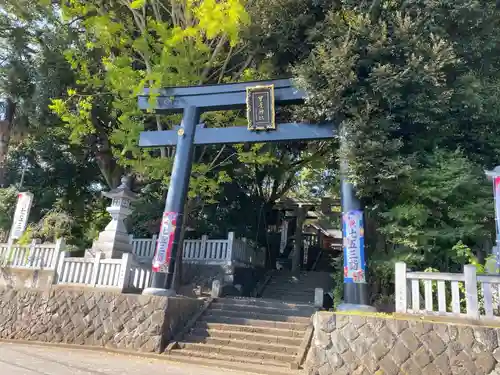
{"x":19,"y":359}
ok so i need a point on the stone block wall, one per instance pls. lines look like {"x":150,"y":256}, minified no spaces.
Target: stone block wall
{"x":364,"y":345}
{"x":25,"y":278}
{"x":88,"y":317}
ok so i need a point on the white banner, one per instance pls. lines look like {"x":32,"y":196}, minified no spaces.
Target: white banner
{"x":24,"y":201}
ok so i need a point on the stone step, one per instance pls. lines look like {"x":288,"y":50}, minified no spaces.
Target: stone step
{"x":291,"y":287}
{"x":255,"y":322}
{"x":314,"y":284}
{"x":304,"y":311}
{"x":257,"y":315}
{"x":287,"y":284}
{"x":282,"y":292}
{"x":270,"y":337}
{"x":246,"y":365}
{"x":237,"y":352}
{"x":298,"y":299}
{"x":309,"y":281}
{"x":303,"y":299}
{"x":302,"y":281}
{"x":248,"y":329}
{"x":305,"y":275}
{"x":280,"y":289}
{"x":243,"y":344}
{"x":262,"y":302}
{"x":290,"y":291}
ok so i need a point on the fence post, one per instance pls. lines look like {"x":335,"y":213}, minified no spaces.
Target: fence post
{"x":401,"y":284}
{"x":30,"y":259}
{"x":241,"y":252}
{"x":58,"y":250}
{"x":60,"y":267}
{"x":216,"y":289}
{"x":245,"y":251}
{"x":471,"y":291}
{"x":10,"y":250}
{"x":130,"y":238}
{"x":318,"y":298}
{"x":152,"y":248}
{"x":203,"y":250}
{"x":230,"y":245}
{"x":95,"y":269}
{"x":125,"y":266}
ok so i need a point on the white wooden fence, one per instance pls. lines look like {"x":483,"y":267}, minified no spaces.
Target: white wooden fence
{"x":143,"y":248}
{"x":121,"y":273}
{"x":36,"y":256}
{"x":139,"y":275}
{"x":206,"y":251}
{"x":132,"y":270}
{"x":450,"y":294}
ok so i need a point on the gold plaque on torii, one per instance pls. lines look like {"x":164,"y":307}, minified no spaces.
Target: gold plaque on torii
{"x":260,"y":108}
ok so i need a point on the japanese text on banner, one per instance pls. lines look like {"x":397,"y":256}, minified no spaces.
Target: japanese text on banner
{"x":354,"y":257}
{"x":165,"y":242}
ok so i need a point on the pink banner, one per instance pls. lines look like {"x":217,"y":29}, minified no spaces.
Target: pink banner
{"x":165,"y":242}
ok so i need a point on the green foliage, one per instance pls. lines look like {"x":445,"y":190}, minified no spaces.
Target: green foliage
{"x":151,"y":46}
{"x":88,"y":60}
{"x":55,"y":224}
{"x":8,"y":199}
{"x":434,"y":210}
{"x":413,"y":85}
{"x":405,"y":82}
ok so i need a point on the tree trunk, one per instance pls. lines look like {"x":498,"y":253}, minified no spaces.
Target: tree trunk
{"x":110,"y":170}
{"x":102,"y":149}
{"x":188,"y":206}
{"x":6,"y":123}
{"x":297,"y":256}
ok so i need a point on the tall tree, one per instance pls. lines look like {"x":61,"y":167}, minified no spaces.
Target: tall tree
{"x":16,"y":85}
{"x":413,"y":85}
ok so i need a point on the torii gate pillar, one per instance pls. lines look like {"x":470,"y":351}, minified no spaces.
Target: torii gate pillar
{"x":260,"y":99}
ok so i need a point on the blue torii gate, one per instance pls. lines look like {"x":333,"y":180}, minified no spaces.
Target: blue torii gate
{"x":191,"y":102}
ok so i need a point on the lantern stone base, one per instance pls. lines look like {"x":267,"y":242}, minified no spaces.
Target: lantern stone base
{"x":113,"y":244}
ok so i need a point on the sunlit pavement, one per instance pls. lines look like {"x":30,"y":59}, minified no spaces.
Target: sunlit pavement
{"x":19,"y":359}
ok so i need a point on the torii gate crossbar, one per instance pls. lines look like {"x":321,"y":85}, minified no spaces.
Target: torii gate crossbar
{"x":192,"y":101}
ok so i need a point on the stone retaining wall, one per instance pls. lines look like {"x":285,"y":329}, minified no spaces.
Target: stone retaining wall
{"x":25,"y":278}
{"x":350,"y":344}
{"x":88,"y":317}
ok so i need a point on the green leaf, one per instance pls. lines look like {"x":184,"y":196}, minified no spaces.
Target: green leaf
{"x":137,"y":4}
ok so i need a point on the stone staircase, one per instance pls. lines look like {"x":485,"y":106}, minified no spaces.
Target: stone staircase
{"x":285,"y":286}
{"x":254,"y":335}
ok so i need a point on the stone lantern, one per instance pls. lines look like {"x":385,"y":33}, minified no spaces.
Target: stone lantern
{"x":113,"y":242}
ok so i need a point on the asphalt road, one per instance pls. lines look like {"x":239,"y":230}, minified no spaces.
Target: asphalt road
{"x":19,"y":359}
